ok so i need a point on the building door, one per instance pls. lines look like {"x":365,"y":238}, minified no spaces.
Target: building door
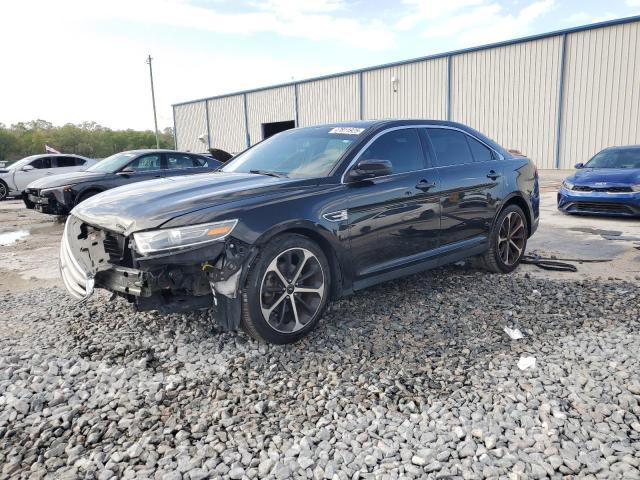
{"x":270,"y":129}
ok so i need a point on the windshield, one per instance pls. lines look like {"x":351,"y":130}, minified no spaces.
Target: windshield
{"x":300,"y":153}
{"x":113,"y":163}
{"x":612,"y":158}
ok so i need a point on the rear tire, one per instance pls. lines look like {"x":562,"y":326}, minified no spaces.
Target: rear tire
{"x":507,"y":242}
{"x":287,"y":290}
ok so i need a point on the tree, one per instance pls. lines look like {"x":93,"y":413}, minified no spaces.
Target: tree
{"x":87,"y":138}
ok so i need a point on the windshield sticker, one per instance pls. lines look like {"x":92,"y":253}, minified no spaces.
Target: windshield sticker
{"x":347,"y":130}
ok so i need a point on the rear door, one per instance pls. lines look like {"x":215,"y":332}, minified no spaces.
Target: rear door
{"x":393,"y":219}
{"x":67,"y":164}
{"x":470,"y":177}
{"x":42,"y":167}
{"x":184,"y":164}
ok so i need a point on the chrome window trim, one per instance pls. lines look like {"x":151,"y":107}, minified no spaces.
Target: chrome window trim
{"x":401,"y":127}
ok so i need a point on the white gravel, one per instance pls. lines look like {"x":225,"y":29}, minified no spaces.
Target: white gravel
{"x":414,"y":378}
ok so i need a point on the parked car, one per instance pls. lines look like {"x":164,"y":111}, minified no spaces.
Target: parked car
{"x":608,"y":184}
{"x":304,"y":216}
{"x":15,"y":178}
{"x":58,"y":195}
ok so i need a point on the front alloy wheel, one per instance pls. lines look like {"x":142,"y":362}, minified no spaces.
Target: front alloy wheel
{"x":4,"y":190}
{"x":292,"y":290}
{"x":287,"y":289}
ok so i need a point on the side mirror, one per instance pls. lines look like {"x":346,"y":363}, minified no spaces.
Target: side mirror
{"x":579,"y":165}
{"x":127,"y":171}
{"x":27,"y":168}
{"x":366,"y":169}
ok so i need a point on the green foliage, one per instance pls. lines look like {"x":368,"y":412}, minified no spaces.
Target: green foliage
{"x":87,"y":138}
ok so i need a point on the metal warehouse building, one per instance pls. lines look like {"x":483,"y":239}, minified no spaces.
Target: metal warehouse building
{"x":558,"y":97}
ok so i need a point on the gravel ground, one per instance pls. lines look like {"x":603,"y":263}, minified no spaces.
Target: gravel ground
{"x":414,"y":378}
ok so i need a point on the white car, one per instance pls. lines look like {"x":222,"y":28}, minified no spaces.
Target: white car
{"x":15,"y":178}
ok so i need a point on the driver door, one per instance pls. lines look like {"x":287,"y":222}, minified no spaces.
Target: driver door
{"x":42,"y":167}
{"x":144,"y":167}
{"x":394,"y":219}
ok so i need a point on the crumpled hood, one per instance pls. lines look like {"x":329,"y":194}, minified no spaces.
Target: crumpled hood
{"x":604,"y":176}
{"x":149,"y":204}
{"x":62,"y":179}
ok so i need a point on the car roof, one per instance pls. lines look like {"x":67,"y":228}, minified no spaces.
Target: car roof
{"x":624,"y":147}
{"x":159,"y":150}
{"x":380,"y":125}
{"x":391,"y":122}
{"x":40,"y":155}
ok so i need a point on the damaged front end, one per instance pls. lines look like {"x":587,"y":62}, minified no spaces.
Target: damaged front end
{"x":203,"y":276}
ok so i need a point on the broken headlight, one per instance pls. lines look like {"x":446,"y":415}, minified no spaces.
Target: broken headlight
{"x":174,"y":238}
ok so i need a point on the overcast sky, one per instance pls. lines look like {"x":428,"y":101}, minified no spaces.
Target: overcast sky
{"x":75,"y":60}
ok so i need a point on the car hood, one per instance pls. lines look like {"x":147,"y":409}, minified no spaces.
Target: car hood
{"x":150,"y":204}
{"x":604,"y":176}
{"x":52,"y":181}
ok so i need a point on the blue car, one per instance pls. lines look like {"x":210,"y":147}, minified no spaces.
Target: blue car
{"x":608,"y":184}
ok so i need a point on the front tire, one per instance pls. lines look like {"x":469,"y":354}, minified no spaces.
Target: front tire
{"x":4,"y":190}
{"x":507,"y":242}
{"x":287,"y":290}
{"x":84,"y":196}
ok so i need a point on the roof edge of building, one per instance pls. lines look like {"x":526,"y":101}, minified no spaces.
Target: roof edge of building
{"x":540,"y":36}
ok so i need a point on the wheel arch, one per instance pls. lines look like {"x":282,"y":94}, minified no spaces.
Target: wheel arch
{"x":87,"y":189}
{"x":323,"y":238}
{"x":519,"y":200}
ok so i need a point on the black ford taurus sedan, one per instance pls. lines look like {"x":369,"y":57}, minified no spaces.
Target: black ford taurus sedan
{"x":308,"y":215}
{"x":58,"y":194}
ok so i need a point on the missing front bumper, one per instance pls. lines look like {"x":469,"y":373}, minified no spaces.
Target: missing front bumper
{"x":204,"y":278}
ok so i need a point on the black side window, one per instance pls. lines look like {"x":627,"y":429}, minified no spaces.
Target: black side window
{"x":451,"y":147}
{"x":146,"y":162}
{"x":66,"y":162}
{"x":41,"y":163}
{"x":199,"y":162}
{"x":401,"y":147}
{"x":181,"y":160}
{"x":481,"y":153}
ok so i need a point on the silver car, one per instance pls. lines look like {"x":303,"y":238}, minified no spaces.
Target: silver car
{"x":15,"y":178}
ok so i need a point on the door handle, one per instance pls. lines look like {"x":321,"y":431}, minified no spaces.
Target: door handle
{"x":493,"y":175}
{"x":425,"y":185}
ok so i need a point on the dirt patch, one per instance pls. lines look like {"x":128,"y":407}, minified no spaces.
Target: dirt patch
{"x":29,"y":250}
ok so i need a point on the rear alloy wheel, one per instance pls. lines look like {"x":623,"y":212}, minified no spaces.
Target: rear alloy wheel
{"x":287,"y":290}
{"x":508,"y":241}
{"x":4,"y":190}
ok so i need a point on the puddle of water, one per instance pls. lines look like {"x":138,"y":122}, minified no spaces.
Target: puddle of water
{"x":10,"y":237}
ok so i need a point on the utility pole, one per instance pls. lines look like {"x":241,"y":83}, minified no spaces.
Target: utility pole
{"x":153,"y":99}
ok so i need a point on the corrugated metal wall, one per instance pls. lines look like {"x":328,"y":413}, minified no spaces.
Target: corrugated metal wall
{"x":421,"y":91}
{"x":191,"y":122}
{"x":601,"y":105}
{"x":511,"y":95}
{"x":509,"y":92}
{"x":329,"y":100}
{"x":272,"y":105}
{"x":226,"y":123}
